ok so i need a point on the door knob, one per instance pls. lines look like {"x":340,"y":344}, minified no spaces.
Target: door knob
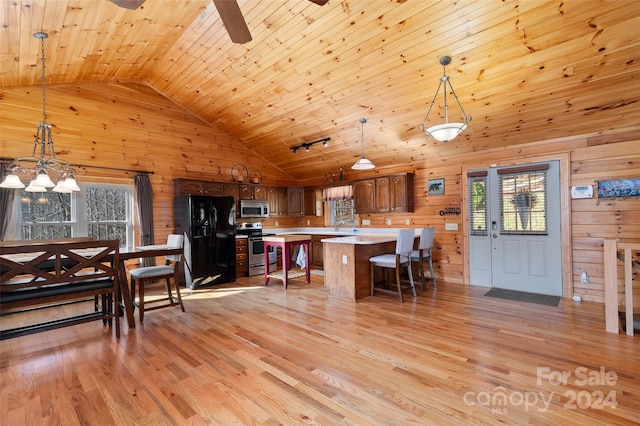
{"x":495,"y":235}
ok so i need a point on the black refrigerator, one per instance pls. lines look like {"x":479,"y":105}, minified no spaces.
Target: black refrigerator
{"x":208,"y":224}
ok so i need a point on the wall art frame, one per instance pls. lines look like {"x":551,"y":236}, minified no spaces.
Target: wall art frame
{"x":435,"y":186}
{"x":618,"y":188}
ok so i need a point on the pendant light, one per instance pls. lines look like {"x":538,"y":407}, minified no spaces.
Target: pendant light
{"x":363,"y":163}
{"x":47,"y":167}
{"x":446,"y":131}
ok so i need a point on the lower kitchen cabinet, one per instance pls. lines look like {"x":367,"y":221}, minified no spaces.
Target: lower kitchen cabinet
{"x":242,"y":260}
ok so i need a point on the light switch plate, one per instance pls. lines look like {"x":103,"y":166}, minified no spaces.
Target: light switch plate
{"x":451,"y":226}
{"x":366,"y":222}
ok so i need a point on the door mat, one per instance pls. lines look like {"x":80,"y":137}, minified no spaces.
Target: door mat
{"x":521,"y":296}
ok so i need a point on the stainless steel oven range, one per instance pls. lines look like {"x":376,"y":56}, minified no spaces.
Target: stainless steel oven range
{"x":253,"y":231}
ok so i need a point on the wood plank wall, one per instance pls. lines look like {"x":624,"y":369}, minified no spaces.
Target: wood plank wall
{"x":129,"y":125}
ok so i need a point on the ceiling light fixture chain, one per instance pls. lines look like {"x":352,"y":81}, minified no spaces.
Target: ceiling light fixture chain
{"x":40,"y":175}
{"x":363,"y":163}
{"x":447,"y":131}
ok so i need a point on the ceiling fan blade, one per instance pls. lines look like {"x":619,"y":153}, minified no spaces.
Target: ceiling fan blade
{"x":320,"y":2}
{"x":233,"y":20}
{"x":128,"y":4}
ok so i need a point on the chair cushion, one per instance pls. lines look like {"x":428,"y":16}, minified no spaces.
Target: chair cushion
{"x":151,"y":271}
{"x":388,"y":260}
{"x":415,"y":255}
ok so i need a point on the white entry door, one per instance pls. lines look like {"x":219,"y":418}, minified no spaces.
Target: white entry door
{"x":515,"y":234}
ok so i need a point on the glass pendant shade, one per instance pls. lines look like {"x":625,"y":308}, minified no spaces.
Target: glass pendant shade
{"x":363,"y":164}
{"x":445,"y":132}
{"x":62,"y":188}
{"x":33,"y":187}
{"x":70,"y":183}
{"x":44,"y":180}
{"x":12,"y":181}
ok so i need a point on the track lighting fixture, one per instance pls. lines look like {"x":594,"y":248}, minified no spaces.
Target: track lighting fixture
{"x":307,"y":145}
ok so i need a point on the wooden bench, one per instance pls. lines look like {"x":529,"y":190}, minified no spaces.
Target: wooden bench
{"x":37,"y":275}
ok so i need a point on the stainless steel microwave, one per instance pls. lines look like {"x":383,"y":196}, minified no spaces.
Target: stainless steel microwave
{"x":254,"y":208}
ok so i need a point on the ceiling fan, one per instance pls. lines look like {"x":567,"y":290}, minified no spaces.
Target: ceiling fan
{"x":230,"y":14}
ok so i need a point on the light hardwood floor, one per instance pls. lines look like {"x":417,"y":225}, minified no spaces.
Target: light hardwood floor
{"x":249,"y":354}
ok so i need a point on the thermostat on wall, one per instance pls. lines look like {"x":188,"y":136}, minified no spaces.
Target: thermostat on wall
{"x":582,"y":191}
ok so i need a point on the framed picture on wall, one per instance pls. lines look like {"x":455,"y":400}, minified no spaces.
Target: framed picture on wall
{"x":619,"y":188}
{"x":435,"y":186}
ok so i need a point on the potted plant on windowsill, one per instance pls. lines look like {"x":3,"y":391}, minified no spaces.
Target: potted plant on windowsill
{"x":524,"y":200}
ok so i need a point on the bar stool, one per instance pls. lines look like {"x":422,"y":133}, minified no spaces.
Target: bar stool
{"x":400,"y":259}
{"x":424,"y":253}
{"x":152,"y":273}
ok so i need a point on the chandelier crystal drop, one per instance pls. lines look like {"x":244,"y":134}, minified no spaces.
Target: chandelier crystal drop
{"x":48,"y":171}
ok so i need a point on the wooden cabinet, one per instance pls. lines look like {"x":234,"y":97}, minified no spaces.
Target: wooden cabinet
{"x":317,"y":253}
{"x":198,"y":187}
{"x":242,"y":260}
{"x":253,"y":192}
{"x":364,"y":192}
{"x":388,"y":194}
{"x":394,"y":194}
{"x":295,"y":197}
{"x":401,"y":193}
{"x":278,"y":201}
{"x":233,"y":190}
{"x":310,"y":204}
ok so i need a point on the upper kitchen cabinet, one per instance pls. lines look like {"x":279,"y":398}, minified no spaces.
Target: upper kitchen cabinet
{"x":387,"y":194}
{"x":233,"y":190}
{"x":198,"y":187}
{"x":253,"y":192}
{"x":278,"y":201}
{"x":364,"y":194}
{"x":311,"y":205}
{"x":394,"y":194}
{"x":295,"y":197}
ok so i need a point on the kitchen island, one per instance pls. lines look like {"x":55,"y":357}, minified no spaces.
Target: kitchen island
{"x":285,"y":242}
{"x":346,"y":263}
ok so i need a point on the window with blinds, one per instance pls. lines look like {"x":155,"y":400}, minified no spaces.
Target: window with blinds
{"x":523,"y":200}
{"x":477,"y":186}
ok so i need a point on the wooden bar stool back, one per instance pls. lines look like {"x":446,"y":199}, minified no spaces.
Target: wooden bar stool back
{"x":424,"y":254}
{"x":400,"y":259}
{"x":141,"y":276}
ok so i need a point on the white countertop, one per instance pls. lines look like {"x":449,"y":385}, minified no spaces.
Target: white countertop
{"x":340,"y":232}
{"x":361,"y":239}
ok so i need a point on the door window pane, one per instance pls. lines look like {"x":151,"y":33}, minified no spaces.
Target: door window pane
{"x":478,"y":205}
{"x":523,"y":202}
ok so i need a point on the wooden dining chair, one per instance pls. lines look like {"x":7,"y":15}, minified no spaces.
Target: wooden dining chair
{"x":424,"y":254}
{"x":400,"y":259}
{"x":141,"y":276}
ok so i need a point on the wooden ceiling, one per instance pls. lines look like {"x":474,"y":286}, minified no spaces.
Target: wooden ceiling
{"x":524,"y":70}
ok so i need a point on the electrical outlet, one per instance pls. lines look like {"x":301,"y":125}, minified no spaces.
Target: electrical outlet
{"x":276,"y":223}
{"x":308,"y":222}
{"x":407,"y":222}
{"x":584,"y":278}
{"x":389,"y":222}
{"x":366,"y":222}
{"x":344,"y":259}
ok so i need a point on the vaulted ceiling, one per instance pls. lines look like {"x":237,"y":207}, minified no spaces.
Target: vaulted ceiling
{"x":526,"y":70}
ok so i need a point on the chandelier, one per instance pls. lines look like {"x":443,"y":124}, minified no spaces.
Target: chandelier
{"x":47,"y":168}
{"x":447,"y":131}
{"x":363,"y":163}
